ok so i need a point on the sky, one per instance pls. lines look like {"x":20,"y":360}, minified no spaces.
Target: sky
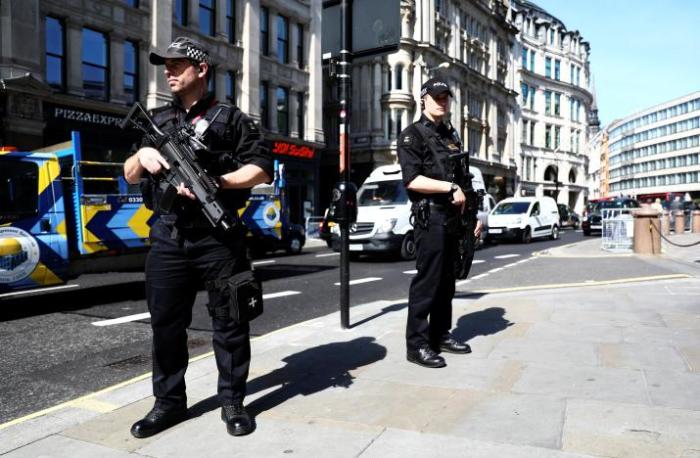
{"x":643,"y":52}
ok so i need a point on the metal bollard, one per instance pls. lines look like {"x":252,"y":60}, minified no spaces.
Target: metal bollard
{"x":696,"y":221}
{"x":647,"y":239}
{"x":680,"y":222}
{"x":666,"y":223}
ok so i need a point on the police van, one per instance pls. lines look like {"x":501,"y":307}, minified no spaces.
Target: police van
{"x":384,"y":211}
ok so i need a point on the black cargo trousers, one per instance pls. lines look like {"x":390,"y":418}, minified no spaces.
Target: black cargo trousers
{"x":433,"y":286}
{"x":176,"y":268}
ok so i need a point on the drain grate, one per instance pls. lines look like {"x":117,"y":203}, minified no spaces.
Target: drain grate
{"x":128,"y":363}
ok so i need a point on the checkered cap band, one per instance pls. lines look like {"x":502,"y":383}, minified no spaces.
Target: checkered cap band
{"x":197,"y":54}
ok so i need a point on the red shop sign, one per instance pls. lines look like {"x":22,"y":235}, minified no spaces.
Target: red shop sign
{"x":289,"y":149}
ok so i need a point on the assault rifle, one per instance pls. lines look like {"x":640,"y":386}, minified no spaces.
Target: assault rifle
{"x":180,"y":151}
{"x":459,"y":173}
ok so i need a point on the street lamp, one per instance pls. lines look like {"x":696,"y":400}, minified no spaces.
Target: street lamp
{"x":430,"y":70}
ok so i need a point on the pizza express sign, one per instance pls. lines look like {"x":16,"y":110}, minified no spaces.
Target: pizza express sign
{"x":62,"y":113}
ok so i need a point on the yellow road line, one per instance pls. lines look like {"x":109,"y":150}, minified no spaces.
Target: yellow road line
{"x":86,"y":401}
{"x":591,"y":283}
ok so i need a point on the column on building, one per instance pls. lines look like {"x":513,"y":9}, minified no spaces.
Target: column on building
{"x":314,"y":104}
{"x":428,"y":21}
{"x":220,"y":83}
{"x":272,"y":27}
{"x":418,"y":22}
{"x":158,"y":91}
{"x":272,"y":105}
{"x":192,"y":13}
{"x":220,"y":25}
{"x":293,"y":43}
{"x":293,"y":111}
{"x":376,"y":94}
{"x":250,"y":65}
{"x":365,"y":95}
{"x":74,"y":70}
{"x":116,"y":64}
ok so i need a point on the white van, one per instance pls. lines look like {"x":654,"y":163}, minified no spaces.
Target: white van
{"x":524,"y":218}
{"x":384,"y":211}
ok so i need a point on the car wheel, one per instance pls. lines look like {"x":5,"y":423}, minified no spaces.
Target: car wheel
{"x":527,"y":235}
{"x":586,"y":233}
{"x":555,"y":233}
{"x":408,"y":247}
{"x":295,"y":245}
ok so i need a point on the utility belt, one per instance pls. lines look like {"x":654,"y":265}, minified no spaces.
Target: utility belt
{"x":422,"y":210}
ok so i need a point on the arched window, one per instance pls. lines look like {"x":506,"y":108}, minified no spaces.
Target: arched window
{"x":399,"y":76}
{"x":388,"y":78}
{"x":572,"y":176}
{"x":550,"y":173}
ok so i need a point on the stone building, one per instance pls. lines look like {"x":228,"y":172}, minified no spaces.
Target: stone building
{"x":476,"y":39}
{"x":557,"y":107}
{"x":79,"y":64}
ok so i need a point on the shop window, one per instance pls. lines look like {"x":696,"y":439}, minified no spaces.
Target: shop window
{"x":283,"y":111}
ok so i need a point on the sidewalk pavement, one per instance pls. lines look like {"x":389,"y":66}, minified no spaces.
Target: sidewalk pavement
{"x":600,"y":358}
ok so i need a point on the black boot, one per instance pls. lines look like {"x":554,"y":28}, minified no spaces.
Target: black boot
{"x":425,"y":356}
{"x":157,"y":420}
{"x":238,"y":422}
{"x":450,"y":345}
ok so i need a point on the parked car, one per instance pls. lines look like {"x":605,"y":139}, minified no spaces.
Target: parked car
{"x":524,"y":218}
{"x":593,"y":216}
{"x":568,"y":217}
{"x":325,"y":230}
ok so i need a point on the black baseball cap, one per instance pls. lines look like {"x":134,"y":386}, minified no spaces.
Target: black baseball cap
{"x":435,"y":87}
{"x":181,"y":48}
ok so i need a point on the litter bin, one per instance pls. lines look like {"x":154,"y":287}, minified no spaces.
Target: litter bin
{"x":647,"y":239}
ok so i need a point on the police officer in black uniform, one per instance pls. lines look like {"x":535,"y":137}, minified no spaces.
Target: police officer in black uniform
{"x":187,"y":253}
{"x":423,"y":150}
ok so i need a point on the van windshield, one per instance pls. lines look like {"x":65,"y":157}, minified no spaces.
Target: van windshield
{"x":19,"y":188}
{"x":511,"y":208}
{"x":382,"y":193}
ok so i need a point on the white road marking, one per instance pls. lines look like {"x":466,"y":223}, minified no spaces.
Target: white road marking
{"x":280,"y":294}
{"x":124,"y":319}
{"x":361,"y":280}
{"x":269,"y":261}
{"x":410,"y":272}
{"x":463,"y":282}
{"x":476,"y":277}
{"x":506,"y":256}
{"x":478,"y":261}
{"x":327,"y":254}
{"x":497,"y":269}
{"x":36,"y":290}
{"x":510,"y":265}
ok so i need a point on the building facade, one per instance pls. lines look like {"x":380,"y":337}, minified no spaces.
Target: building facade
{"x":80,"y":64}
{"x":476,"y":38}
{"x":557,"y":114}
{"x":657,"y":151}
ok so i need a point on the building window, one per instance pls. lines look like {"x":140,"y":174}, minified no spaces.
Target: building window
{"x":532,"y":60}
{"x":211,"y":79}
{"x":264,"y":31}
{"x":557,"y":69}
{"x":282,"y":39}
{"x":547,"y":102}
{"x":55,"y":54}
{"x":207,"y":16}
{"x":181,"y":12}
{"x":551,"y":36}
{"x":300,"y":45}
{"x":523,"y":88}
{"x":532,"y":132}
{"x":300,"y":114}
{"x":399,"y":77}
{"x":557,"y":136}
{"x":548,"y":67}
{"x":131,"y":71}
{"x":524,"y":58}
{"x":399,"y":122}
{"x":231,"y":20}
{"x":283,"y":110}
{"x":572,"y":72}
{"x":264,"y":109}
{"x":95,"y":65}
{"x":132,"y":3}
{"x":231,"y":87}
{"x":388,"y":78}
{"x":557,"y":104}
{"x":548,"y":136}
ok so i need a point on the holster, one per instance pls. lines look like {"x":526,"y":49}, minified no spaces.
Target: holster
{"x":241,"y":294}
{"x":420,"y":214}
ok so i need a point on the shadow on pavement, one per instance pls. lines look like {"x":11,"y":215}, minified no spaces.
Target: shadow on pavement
{"x":307,"y":372}
{"x":481,"y":323}
{"x":275,"y":271}
{"x":389,"y":309}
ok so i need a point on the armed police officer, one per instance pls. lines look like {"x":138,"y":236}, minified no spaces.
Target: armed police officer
{"x":425,"y":150}
{"x":187,"y":252}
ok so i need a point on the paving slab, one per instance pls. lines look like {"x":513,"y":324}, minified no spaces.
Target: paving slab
{"x":546,"y":351}
{"x":641,"y":355}
{"x":674,"y":389}
{"x":625,"y":430}
{"x":58,"y":446}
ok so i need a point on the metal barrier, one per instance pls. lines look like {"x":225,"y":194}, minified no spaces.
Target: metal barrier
{"x":618,"y":229}
{"x":313,"y":226}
